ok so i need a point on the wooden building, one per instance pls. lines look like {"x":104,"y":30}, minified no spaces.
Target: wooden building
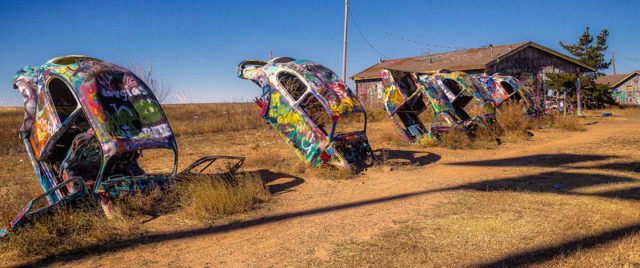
{"x":625,"y":87}
{"x":526,"y":61}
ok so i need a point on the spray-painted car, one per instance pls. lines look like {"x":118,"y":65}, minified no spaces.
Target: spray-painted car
{"x":503,"y":88}
{"x":313,"y":110}
{"x":449,"y":94}
{"x":406,"y":99}
{"x":467,"y":96}
{"x":86,"y":124}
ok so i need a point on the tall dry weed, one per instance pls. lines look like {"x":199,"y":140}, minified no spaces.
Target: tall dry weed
{"x":571,"y":123}
{"x":69,"y":229}
{"x":153,"y":202}
{"x":392,"y":136}
{"x":480,"y":138}
{"x":514,"y":122}
{"x":206,"y":197}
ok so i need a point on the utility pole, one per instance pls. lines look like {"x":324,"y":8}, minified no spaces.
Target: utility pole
{"x":344,"y":45}
{"x":271,"y":54}
{"x":613,"y":60}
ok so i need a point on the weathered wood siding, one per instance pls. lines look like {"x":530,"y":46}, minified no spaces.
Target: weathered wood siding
{"x":370,"y":92}
{"x":530,"y":66}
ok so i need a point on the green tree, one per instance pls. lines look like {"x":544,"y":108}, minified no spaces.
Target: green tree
{"x":589,"y":53}
{"x":595,"y":95}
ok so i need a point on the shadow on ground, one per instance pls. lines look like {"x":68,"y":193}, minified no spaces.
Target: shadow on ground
{"x":406,"y":157}
{"x":559,"y":183}
{"x":541,"y":255}
{"x":269,"y":176}
{"x":563,"y":183}
{"x":538,"y":160}
{"x":627,"y":166}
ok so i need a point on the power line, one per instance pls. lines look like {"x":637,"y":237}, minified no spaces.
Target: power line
{"x":399,"y":36}
{"x":365,"y":39}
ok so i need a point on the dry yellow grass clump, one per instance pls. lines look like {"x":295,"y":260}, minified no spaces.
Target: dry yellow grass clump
{"x":69,"y":229}
{"x":207,"y":197}
{"x":199,"y":197}
{"x":481,"y":138}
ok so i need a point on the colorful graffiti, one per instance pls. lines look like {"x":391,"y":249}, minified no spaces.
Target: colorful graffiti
{"x":502,"y":87}
{"x":408,"y":96}
{"x":447,"y":95}
{"x":304,"y":101}
{"x":83,"y":115}
{"x":86,"y":122}
{"x":626,"y":95}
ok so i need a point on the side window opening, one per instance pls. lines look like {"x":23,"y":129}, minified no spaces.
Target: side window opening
{"x":507,"y":87}
{"x":409,"y":115}
{"x":63,"y":100}
{"x":453,"y":86}
{"x":349,"y":123}
{"x":86,"y":147}
{"x":517,"y":97}
{"x":461,"y":101}
{"x":294,"y":86}
{"x":461,"y":113}
{"x":406,"y":85}
{"x":314,"y":109}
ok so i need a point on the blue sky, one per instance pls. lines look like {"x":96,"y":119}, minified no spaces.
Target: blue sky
{"x":195,"y":46}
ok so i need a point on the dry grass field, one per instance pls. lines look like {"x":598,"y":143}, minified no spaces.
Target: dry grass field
{"x":557,"y":191}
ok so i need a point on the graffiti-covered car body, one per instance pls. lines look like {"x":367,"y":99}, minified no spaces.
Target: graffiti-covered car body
{"x":309,"y":106}
{"x":451,"y":95}
{"x":86,"y":124}
{"x":406,"y":96}
{"x":466,"y":94}
{"x":503,"y":88}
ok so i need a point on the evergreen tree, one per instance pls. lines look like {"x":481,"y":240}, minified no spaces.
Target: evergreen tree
{"x":589,"y":53}
{"x":595,"y":95}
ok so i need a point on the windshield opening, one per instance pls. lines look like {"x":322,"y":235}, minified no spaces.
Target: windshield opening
{"x":63,"y":100}
{"x":507,"y":87}
{"x":452,"y":86}
{"x":351,"y":122}
{"x":292,"y":84}
{"x":156,"y":161}
{"x":316,"y":112}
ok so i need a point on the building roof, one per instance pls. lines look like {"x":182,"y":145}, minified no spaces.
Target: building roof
{"x":458,"y":60}
{"x":614,"y":80}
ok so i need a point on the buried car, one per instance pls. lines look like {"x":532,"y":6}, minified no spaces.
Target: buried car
{"x":86,"y":124}
{"x":468,"y":97}
{"x":313,"y":110}
{"x":407,"y":94}
{"x":503,"y":88}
